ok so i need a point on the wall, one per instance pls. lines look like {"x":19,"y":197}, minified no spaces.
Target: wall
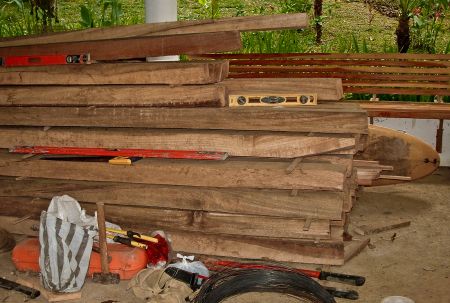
{"x":423,"y":129}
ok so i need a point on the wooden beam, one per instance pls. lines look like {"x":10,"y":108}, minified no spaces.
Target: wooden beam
{"x":229,"y":173}
{"x":115,"y":95}
{"x":135,"y":47}
{"x":330,"y":252}
{"x":320,"y":119}
{"x":312,"y":204}
{"x":174,"y":73}
{"x":182,"y":220}
{"x":235,"y":143}
{"x":415,"y":110}
{"x":326,"y":89}
{"x":298,"y":251}
{"x":248,"y":23}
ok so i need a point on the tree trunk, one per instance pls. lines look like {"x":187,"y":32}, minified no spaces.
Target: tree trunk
{"x":318,"y":21}
{"x":403,"y":36}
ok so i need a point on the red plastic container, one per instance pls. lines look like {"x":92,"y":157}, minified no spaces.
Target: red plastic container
{"x":125,"y":261}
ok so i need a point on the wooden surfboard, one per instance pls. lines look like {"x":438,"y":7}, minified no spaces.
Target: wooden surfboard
{"x":410,"y":156}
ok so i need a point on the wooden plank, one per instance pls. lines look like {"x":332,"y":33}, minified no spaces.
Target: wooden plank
{"x":183,"y":220}
{"x":358,"y":76}
{"x":173,"y":73}
{"x":28,"y":227}
{"x":230,"y":173}
{"x":326,"y":89}
{"x":235,"y":143}
{"x":386,"y":56}
{"x":407,"y":110}
{"x":340,"y":62}
{"x":412,"y":85}
{"x":135,"y":47}
{"x":320,"y":119}
{"x":247,"y":23}
{"x":115,"y":95}
{"x":339,"y":69}
{"x":329,"y":252}
{"x":50,"y":296}
{"x":313,"y":204}
{"x":260,"y":248}
{"x":399,"y":91}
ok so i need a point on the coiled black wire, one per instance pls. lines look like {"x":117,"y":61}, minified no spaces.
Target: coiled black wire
{"x":232,"y":282}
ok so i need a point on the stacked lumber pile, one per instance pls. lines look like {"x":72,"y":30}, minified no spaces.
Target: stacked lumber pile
{"x":283,"y":193}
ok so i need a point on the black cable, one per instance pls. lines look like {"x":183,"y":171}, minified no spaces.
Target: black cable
{"x":232,"y":282}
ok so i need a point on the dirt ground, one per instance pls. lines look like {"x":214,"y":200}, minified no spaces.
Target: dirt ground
{"x":416,"y":264}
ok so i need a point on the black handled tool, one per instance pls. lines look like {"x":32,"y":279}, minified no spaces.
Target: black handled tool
{"x":11,"y":285}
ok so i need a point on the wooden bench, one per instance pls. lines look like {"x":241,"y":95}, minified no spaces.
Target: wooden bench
{"x":373,"y":74}
{"x":395,"y":74}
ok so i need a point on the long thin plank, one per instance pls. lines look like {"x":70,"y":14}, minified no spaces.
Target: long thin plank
{"x":260,"y":248}
{"x":302,"y":251}
{"x":115,"y":95}
{"x":236,"y":143}
{"x":399,"y":91}
{"x":344,"y":76}
{"x":326,"y":89}
{"x":280,"y":203}
{"x":339,"y":69}
{"x":397,"y":84}
{"x":248,"y":23}
{"x":407,"y":110}
{"x":340,"y":62}
{"x":183,"y":220}
{"x":320,"y":119}
{"x":174,"y":73}
{"x":387,"y":56}
{"x":235,"y":174}
{"x":136,"y":47}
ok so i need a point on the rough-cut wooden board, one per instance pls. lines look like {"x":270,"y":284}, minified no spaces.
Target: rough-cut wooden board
{"x":115,"y":95}
{"x":301,"y":251}
{"x":248,"y":23}
{"x":330,"y":252}
{"x":415,"y":110}
{"x":320,"y":119}
{"x":19,"y":225}
{"x":280,"y":203}
{"x":183,"y":220}
{"x":173,"y":73}
{"x":237,"y":143}
{"x":135,"y":47}
{"x":410,"y":156}
{"x":326,"y":89}
{"x":229,"y":173}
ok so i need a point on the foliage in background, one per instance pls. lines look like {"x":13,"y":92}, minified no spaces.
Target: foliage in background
{"x":211,"y":8}
{"x":428,"y":24}
{"x":101,"y":13}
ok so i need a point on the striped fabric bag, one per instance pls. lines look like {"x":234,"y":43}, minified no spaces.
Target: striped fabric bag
{"x":65,"y":253}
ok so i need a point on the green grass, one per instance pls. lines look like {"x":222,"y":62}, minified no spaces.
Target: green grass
{"x":349,"y":26}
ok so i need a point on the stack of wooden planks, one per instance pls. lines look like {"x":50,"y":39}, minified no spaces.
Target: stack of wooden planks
{"x":283,"y":193}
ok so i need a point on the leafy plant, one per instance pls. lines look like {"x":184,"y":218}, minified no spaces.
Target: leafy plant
{"x":428,"y":24}
{"x":211,"y":7}
{"x":110,"y":13}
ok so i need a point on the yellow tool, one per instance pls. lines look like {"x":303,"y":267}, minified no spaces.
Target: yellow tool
{"x":132,"y":234}
{"x":273,"y":99}
{"x":120,"y":161}
{"x":127,"y":241}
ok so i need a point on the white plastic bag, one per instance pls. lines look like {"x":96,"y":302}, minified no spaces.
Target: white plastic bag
{"x":196,"y":267}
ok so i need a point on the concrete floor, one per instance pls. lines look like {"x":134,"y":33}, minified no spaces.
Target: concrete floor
{"x":416,"y":264}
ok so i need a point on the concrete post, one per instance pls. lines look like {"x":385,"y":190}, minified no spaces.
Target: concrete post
{"x":161,"y":11}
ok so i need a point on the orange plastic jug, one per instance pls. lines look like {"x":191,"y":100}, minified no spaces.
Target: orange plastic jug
{"x":125,"y":261}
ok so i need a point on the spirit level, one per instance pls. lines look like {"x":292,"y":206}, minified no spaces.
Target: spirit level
{"x":271,"y":99}
{"x":14,"y":61}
